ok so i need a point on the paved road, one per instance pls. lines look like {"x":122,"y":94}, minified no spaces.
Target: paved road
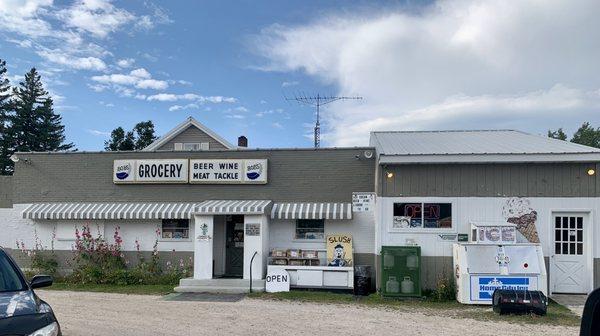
{"x":116,"y":314}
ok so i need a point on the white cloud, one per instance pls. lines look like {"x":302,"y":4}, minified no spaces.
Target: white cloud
{"x":71,"y":61}
{"x":139,"y":78}
{"x":97,"y":17}
{"x":125,"y":62}
{"x":184,"y":107}
{"x":152,"y":84}
{"x":277,"y":125}
{"x":453,"y":64}
{"x":140,"y":73}
{"x":287,"y":84}
{"x":98,"y":133}
{"x":170,"y":97}
{"x":235,"y":116}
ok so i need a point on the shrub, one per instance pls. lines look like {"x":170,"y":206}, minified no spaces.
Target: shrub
{"x":42,"y":261}
{"x":445,"y":290}
{"x":100,"y":262}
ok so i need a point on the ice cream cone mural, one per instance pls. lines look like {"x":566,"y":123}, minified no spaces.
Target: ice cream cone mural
{"x":518,"y":211}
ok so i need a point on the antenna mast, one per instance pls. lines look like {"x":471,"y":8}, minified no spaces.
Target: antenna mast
{"x":318,"y":101}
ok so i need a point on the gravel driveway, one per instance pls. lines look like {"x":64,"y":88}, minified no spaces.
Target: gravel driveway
{"x":83,"y":313}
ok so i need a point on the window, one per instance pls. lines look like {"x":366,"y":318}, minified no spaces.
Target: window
{"x":310,"y":229}
{"x":10,"y":280}
{"x":176,"y":229}
{"x":196,"y":146}
{"x":422,"y":215}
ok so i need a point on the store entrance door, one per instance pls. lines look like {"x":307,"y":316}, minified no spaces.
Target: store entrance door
{"x":234,"y":246}
{"x":568,"y":264}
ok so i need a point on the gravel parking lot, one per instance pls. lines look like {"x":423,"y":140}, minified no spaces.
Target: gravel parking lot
{"x":84,"y":313}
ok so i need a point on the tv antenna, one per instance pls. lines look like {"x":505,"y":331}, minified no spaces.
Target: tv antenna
{"x":318,"y":101}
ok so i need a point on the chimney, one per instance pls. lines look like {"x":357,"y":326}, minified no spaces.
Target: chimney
{"x":242,"y":141}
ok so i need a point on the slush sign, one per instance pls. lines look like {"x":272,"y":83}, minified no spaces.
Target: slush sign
{"x":151,"y":171}
{"x":228,"y":171}
{"x":483,"y":287}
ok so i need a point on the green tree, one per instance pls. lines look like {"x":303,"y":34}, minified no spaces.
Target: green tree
{"x":587,"y":135}
{"x":558,"y":134}
{"x":33,"y":125}
{"x":5,"y":143}
{"x":145,"y":134}
{"x":140,"y":137}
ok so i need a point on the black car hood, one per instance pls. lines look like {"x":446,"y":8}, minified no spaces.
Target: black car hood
{"x":17,"y":303}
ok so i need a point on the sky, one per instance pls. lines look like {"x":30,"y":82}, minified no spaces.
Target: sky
{"x":530,"y":65}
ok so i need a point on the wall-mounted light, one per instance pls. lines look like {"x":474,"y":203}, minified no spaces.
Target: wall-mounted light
{"x":591,"y":172}
{"x":15,"y":158}
{"x":389,"y":175}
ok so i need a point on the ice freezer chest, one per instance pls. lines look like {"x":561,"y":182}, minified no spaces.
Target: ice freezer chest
{"x":482,"y":268}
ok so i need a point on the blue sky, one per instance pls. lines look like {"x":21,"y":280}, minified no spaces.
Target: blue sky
{"x":437,"y":65}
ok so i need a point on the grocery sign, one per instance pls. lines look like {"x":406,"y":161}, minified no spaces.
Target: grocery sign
{"x":214,"y":171}
{"x":483,"y":287}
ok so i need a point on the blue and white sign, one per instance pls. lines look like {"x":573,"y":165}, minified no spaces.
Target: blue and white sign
{"x":483,"y":287}
{"x":150,"y":171}
{"x":123,"y":171}
{"x":228,"y":171}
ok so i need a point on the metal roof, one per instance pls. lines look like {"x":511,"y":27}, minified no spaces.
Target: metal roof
{"x":476,"y":146}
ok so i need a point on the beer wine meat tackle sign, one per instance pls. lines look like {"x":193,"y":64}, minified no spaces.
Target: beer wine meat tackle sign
{"x":213,"y":171}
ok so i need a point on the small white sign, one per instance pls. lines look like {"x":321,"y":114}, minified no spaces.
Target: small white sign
{"x":363,"y":201}
{"x":278,"y":280}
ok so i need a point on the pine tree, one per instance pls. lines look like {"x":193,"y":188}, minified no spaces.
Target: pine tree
{"x":33,"y":125}
{"x":558,"y":134}
{"x":51,"y":129}
{"x":5,"y":143}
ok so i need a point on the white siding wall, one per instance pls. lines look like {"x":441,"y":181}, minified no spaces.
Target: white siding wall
{"x":486,"y":209}
{"x":14,"y":227}
{"x":361,"y":227}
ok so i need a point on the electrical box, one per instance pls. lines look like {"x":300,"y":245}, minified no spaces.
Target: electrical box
{"x":400,"y":271}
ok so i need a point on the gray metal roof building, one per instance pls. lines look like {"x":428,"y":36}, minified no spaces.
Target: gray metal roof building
{"x":476,"y":146}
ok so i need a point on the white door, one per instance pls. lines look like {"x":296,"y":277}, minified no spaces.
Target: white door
{"x":568,"y":264}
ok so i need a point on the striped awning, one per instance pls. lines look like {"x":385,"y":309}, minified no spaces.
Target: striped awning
{"x":311,"y":211}
{"x":233,"y":207}
{"x":109,"y":211}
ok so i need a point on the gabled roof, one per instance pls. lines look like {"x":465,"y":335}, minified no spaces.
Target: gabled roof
{"x":476,"y":146}
{"x":189,"y":122}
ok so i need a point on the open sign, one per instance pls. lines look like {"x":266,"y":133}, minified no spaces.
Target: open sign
{"x":277,"y":280}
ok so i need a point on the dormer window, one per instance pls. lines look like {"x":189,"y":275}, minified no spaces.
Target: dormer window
{"x":194,"y":146}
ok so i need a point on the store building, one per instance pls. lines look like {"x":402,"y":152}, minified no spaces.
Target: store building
{"x":227,"y":207}
{"x":210,"y":200}
{"x":432,"y":185}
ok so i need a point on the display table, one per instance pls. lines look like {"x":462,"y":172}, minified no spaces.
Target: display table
{"x":319,"y":276}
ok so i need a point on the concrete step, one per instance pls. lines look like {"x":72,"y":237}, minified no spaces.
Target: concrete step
{"x":215,"y":289}
{"x":227,"y":286}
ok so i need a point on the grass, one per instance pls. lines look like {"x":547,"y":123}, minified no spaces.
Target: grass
{"x":121,"y":289}
{"x":557,"y":314}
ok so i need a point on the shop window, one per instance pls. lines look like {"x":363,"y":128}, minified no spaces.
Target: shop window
{"x":422,"y":215}
{"x":176,"y":229}
{"x":310,"y":229}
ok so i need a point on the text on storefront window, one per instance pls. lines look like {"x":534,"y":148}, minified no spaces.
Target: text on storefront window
{"x":422,"y":215}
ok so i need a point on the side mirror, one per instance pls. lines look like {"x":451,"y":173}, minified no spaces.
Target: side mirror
{"x":40,"y":281}
{"x":590,"y":321}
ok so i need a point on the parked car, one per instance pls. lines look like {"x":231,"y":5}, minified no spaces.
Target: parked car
{"x":590,"y":321}
{"x":22,"y":312}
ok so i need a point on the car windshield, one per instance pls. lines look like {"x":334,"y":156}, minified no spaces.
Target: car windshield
{"x":10,"y":280}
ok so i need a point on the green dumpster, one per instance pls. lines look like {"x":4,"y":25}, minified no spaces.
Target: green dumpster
{"x":400,"y":271}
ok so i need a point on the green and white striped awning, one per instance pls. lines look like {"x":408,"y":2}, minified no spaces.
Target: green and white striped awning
{"x":152,"y":210}
{"x":311,"y":211}
{"x":233,"y":207}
